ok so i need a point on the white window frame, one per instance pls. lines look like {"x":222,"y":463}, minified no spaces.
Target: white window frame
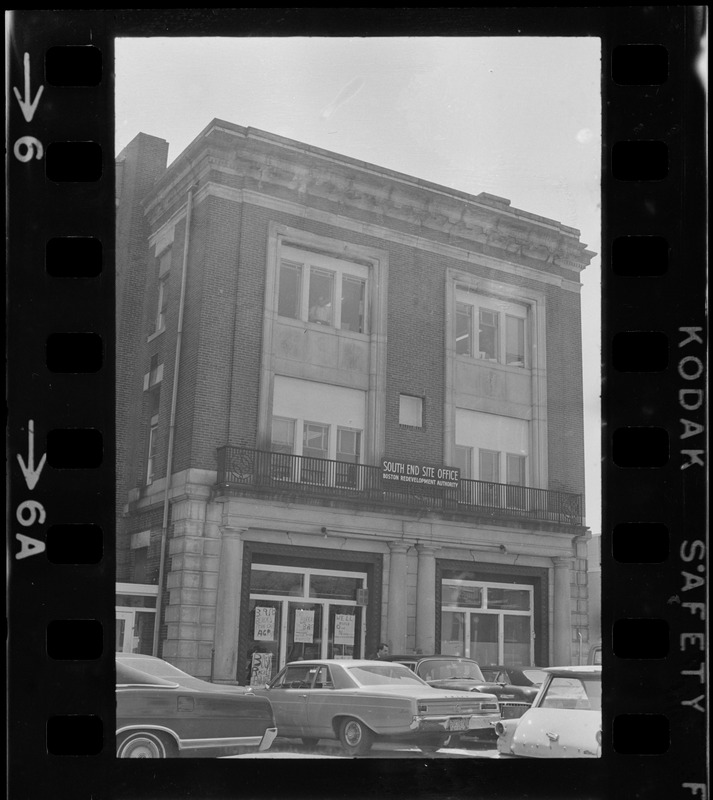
{"x":309,"y":263}
{"x":306,"y":598}
{"x":503,"y":310}
{"x":467,"y":611}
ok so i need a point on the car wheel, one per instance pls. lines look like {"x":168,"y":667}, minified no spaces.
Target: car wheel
{"x":145,"y":744}
{"x":356,"y":739}
{"x":433,"y":743}
{"x":310,"y":741}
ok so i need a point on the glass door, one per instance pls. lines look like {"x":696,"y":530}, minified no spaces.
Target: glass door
{"x":304,"y":631}
{"x":344,"y":632}
{"x":124,"y":631}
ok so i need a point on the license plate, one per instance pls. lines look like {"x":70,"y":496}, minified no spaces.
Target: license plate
{"x":457,"y":724}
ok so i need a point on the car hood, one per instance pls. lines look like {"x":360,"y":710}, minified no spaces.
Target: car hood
{"x":557,"y":733}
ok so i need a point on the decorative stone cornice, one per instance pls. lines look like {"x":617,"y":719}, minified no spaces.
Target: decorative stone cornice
{"x":263,"y":162}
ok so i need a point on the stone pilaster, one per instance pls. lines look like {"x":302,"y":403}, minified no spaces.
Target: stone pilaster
{"x":225,"y":663}
{"x":396,"y":618}
{"x":562,"y":628}
{"x":426,"y":600}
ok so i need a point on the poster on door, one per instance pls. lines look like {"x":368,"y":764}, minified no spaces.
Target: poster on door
{"x":264,"y":624}
{"x":260,"y":668}
{"x":304,"y":625}
{"x":344,"y":629}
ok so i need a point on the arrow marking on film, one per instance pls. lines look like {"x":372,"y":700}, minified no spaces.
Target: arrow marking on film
{"x":32,"y":474}
{"x":28,"y":105}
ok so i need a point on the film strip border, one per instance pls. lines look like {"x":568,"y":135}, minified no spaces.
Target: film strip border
{"x":61,"y":400}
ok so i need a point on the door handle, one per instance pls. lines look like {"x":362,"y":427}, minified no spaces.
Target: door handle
{"x":303,"y":696}
{"x":553,"y":737}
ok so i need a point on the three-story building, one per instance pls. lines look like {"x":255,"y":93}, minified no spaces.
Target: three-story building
{"x":349,"y":410}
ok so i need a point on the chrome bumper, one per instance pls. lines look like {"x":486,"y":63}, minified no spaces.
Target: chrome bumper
{"x":472,"y":723}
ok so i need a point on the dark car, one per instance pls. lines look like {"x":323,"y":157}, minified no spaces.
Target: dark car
{"x":162,"y":712}
{"x":464,"y":674}
{"x":531,"y":677}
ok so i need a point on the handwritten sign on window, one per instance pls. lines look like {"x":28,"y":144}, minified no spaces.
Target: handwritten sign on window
{"x":344,"y":629}
{"x":304,"y":625}
{"x":264,"y":624}
{"x":260,"y":668}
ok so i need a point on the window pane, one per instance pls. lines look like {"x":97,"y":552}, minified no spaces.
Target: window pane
{"x":321,"y":297}
{"x":489,"y":466}
{"x":316,"y":440}
{"x":288,"y":304}
{"x":336,"y":587}
{"x":516,"y":599}
{"x":353,"y":293}
{"x":516,"y":650}
{"x":410,"y":411}
{"x":464,"y":329}
{"x":470,"y":596}
{"x":279,"y":583}
{"x":515,"y":341}
{"x":488,"y":335}
{"x":484,"y":638}
{"x":515,"y":470}
{"x":283,"y":435}
{"x":464,"y":457}
{"x":453,"y":633}
{"x":348,"y":445}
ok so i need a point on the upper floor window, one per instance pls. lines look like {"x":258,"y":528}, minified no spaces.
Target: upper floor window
{"x":410,"y":410}
{"x":490,"y":329}
{"x":323,"y":290}
{"x":164,"y":265}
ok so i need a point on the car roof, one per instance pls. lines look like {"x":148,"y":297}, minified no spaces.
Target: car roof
{"x":588,"y":669}
{"x":344,"y":662}
{"x":421,"y":656}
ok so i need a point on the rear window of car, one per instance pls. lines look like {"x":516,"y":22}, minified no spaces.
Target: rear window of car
{"x":378,"y":675}
{"x":439,"y":669}
{"x":582,"y":694}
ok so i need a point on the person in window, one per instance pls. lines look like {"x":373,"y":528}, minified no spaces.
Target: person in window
{"x":321,"y":311}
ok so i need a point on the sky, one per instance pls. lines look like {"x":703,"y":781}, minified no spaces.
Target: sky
{"x":516,"y":117}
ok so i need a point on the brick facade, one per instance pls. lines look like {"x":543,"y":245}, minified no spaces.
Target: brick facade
{"x":244,"y":183}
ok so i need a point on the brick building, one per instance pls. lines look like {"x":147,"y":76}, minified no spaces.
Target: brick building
{"x":369,"y":390}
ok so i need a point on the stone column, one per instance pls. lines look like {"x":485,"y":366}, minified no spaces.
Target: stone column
{"x":562,"y":622}
{"x":227,"y":615}
{"x":426,"y":600}
{"x":396,"y":612}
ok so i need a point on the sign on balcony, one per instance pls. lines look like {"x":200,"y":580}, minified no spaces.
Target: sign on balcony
{"x":423,"y":474}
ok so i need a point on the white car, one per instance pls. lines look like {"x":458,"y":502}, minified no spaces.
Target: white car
{"x":565,"y":720}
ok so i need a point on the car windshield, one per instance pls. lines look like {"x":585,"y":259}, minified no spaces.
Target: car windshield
{"x":442,"y":669}
{"x":573,"y":693}
{"x":377,"y":675}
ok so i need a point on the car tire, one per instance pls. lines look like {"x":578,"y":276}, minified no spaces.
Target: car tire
{"x":310,"y":741}
{"x":433,"y":743}
{"x":354,"y":736}
{"x":145,"y":744}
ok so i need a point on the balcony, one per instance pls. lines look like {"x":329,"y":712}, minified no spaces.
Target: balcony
{"x":243,"y":470}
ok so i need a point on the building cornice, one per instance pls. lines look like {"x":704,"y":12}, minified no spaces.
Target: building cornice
{"x":314,"y":179}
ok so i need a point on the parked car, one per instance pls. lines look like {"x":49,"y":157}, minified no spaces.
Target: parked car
{"x":529,"y":678}
{"x":565,"y":720}
{"x":162,"y":712}
{"x":358,"y":702}
{"x":464,"y":674}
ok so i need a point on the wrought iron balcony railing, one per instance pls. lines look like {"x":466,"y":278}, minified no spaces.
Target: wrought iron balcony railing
{"x":283,"y":473}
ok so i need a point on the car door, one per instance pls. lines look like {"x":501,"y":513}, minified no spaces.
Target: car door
{"x":322,"y":704}
{"x":288,"y":695}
